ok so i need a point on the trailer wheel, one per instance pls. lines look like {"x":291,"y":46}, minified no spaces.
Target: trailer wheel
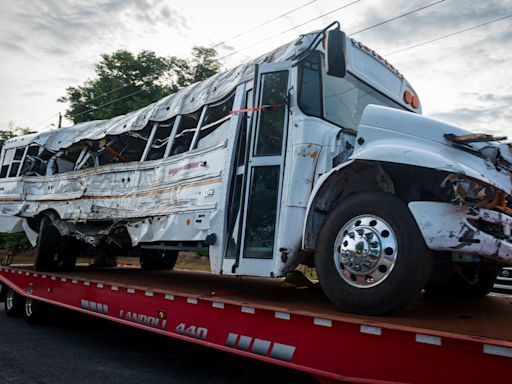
{"x":371,"y":257}
{"x":157,"y":259}
{"x":33,"y":311}
{"x":13,"y":303}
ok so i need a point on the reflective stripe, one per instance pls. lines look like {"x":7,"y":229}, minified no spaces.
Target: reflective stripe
{"x":371,"y":330}
{"x":497,"y":350}
{"x":282,"y":315}
{"x":322,"y":322}
{"x":250,"y":310}
{"x":428,"y":339}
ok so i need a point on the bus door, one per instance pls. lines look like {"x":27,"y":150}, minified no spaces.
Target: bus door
{"x":263,"y":173}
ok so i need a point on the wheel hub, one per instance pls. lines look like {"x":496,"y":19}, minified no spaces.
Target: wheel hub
{"x":365,"y":251}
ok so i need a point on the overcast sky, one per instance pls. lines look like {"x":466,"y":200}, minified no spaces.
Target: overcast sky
{"x":466,"y":79}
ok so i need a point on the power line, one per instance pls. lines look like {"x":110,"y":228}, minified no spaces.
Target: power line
{"x":288,"y":30}
{"x":396,"y":17}
{"x":110,"y":102}
{"x":448,"y":35}
{"x":43,"y":121}
{"x":263,"y":24}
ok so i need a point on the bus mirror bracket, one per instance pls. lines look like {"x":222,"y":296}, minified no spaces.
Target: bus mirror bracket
{"x":335,"y":60}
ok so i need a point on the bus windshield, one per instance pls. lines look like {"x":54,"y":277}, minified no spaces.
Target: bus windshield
{"x":340,"y":101}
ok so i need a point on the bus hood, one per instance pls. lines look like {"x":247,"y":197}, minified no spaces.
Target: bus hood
{"x":390,"y":135}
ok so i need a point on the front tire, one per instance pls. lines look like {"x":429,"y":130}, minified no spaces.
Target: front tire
{"x":371,"y":257}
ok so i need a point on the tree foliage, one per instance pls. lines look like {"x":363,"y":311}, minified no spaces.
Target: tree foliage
{"x":125,"y":82}
{"x":12,"y":131}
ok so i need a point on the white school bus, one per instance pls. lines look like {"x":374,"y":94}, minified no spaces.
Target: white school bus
{"x":315,"y":153}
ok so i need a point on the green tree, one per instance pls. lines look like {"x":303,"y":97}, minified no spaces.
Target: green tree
{"x":12,"y":130}
{"x":125,"y":82}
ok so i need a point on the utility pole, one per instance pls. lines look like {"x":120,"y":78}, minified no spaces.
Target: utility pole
{"x":60,"y":120}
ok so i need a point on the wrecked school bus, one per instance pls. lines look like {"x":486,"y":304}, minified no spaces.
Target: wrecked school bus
{"x":315,"y":153}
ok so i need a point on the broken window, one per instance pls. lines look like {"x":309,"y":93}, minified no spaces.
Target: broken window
{"x":216,"y":122}
{"x":33,"y":165}
{"x":185,"y":133}
{"x":123,"y":148}
{"x":15,"y":166}
{"x":160,"y":139}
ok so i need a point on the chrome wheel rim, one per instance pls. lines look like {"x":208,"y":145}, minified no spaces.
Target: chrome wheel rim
{"x":365,"y":251}
{"x":9,"y":299}
{"x":29,"y":310}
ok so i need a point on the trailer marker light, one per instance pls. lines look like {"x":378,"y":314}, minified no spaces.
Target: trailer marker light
{"x":428,"y":339}
{"x":377,"y":331}
{"x":50,"y":290}
{"x":322,"y":322}
{"x":162,"y":315}
{"x":497,"y":350}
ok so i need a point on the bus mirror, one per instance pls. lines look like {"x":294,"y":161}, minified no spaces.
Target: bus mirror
{"x":335,"y":53}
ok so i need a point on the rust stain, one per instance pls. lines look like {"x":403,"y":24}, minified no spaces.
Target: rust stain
{"x":313,"y":154}
{"x":187,"y":221}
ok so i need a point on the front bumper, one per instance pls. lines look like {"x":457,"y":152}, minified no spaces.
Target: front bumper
{"x":447,"y":227}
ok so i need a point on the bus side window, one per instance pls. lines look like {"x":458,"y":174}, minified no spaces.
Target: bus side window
{"x":33,"y":165}
{"x":185,"y":133}
{"x":8,"y":156}
{"x":159,"y":143}
{"x":15,"y":166}
{"x":215,"y":124}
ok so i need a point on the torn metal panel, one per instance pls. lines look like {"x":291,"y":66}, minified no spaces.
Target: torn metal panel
{"x":447,"y":227}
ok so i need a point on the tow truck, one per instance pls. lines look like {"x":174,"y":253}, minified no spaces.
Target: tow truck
{"x":466,"y":341}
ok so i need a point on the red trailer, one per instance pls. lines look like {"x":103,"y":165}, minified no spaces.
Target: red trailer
{"x":429,"y":341}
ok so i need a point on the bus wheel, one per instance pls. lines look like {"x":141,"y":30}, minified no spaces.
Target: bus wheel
{"x":13,"y":303}
{"x":462,"y":280}
{"x":33,"y":311}
{"x":47,"y":246}
{"x":157,"y":259}
{"x":371,"y":257}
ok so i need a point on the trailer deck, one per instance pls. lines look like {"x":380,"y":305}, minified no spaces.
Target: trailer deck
{"x":453,"y":340}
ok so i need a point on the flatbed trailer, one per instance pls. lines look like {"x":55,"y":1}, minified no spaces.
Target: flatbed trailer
{"x":456,"y":340}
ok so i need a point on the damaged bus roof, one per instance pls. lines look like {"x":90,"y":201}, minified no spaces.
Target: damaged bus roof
{"x":186,"y":100}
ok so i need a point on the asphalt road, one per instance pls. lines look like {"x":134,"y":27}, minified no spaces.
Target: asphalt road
{"x":75,"y":348}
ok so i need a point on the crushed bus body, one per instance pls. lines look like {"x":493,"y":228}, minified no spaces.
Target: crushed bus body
{"x":312,"y":154}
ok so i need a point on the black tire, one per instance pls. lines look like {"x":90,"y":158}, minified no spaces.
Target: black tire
{"x":34,"y":311}
{"x":462,"y":280}
{"x":47,"y":246}
{"x":403,"y":280}
{"x":14,"y":303}
{"x":3,"y":289}
{"x":157,"y":259}
{"x":53,"y":251}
